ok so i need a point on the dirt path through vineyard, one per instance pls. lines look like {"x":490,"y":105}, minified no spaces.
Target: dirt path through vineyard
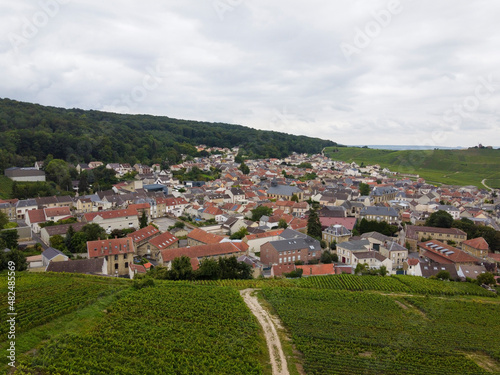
{"x":277,"y":357}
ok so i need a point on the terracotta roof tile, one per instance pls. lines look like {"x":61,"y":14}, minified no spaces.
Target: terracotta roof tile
{"x":164,"y":240}
{"x":477,"y":243}
{"x":113,"y":246}
{"x":205,"y":237}
{"x":204,"y":251}
{"x":144,"y":233}
{"x":106,"y":215}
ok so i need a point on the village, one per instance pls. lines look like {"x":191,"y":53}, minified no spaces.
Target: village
{"x":258,"y":211}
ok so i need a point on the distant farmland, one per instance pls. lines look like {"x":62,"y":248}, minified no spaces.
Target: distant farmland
{"x":452,"y":167}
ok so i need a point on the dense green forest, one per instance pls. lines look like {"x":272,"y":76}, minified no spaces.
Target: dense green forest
{"x":30,"y":132}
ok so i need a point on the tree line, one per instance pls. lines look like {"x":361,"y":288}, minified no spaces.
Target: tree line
{"x":30,"y":132}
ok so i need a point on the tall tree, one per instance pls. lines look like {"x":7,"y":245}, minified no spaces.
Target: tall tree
{"x":364,"y":189}
{"x":244,"y":168}
{"x":181,"y":269}
{"x":144,"y":220}
{"x":9,"y":238}
{"x":83,"y":184}
{"x":440,"y":219}
{"x":313,"y":224}
{"x":260,"y":211}
{"x":69,"y":239}
{"x":3,"y":220}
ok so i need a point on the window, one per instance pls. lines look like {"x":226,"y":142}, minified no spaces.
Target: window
{"x":116,"y":257}
{"x":124,"y":256}
{"x":281,"y":260}
{"x":116,"y":266}
{"x":126,"y":264}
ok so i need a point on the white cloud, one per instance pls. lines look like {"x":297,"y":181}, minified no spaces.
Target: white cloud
{"x":269,"y":65}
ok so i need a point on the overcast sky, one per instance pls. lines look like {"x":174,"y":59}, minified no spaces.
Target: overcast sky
{"x":356,"y":72}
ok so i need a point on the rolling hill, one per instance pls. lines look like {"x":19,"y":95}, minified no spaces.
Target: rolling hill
{"x":453,"y":167}
{"x":30,"y":132}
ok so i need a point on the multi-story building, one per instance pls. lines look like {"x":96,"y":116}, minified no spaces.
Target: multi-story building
{"x":111,"y":220}
{"x":118,"y":253}
{"x":290,"y":250}
{"x":415,"y":234}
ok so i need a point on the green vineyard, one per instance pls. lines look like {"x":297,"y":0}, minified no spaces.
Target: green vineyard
{"x":342,"y":332}
{"x":43,"y":297}
{"x":172,"y":329}
{"x":393,"y":284}
{"x":341,"y":324}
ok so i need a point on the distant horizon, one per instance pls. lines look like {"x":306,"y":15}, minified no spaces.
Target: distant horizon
{"x":417,"y":147}
{"x":352,"y":72}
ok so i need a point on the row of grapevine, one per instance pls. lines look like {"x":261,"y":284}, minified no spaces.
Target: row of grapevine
{"x":393,"y":284}
{"x":341,"y":332}
{"x":173,"y":328}
{"x":40,"y":298}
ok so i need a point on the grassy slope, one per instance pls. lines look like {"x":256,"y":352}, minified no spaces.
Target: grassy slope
{"x":459,"y":167}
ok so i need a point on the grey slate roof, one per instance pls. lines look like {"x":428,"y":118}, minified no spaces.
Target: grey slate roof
{"x":86,"y":266}
{"x":288,"y":234}
{"x":296,"y":244}
{"x":375,"y":235}
{"x":357,"y":245}
{"x":337,"y":230}
{"x":379,"y":211}
{"x":283,"y":190}
{"x":62,"y":229}
{"x":51,"y":253}
{"x":369,"y":255}
{"x":26,"y":203}
{"x":394,"y":246}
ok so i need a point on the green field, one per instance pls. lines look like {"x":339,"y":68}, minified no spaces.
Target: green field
{"x":342,"y":332}
{"x":452,"y":167}
{"x":344,"y":324}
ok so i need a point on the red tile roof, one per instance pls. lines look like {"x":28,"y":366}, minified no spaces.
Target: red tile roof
{"x":36,"y":216}
{"x":317,"y":269}
{"x":347,"y":222}
{"x":143,"y":234}
{"x":432,"y":250}
{"x":477,"y":243}
{"x":272,"y":233}
{"x":106,"y":215}
{"x":411,"y":231}
{"x":113,"y":246}
{"x":204,"y":251}
{"x":213,"y":211}
{"x":140,"y":206}
{"x":413,"y":261}
{"x":57,"y":211}
{"x":138,"y":268}
{"x":494,"y":256}
{"x":204,"y":237}
{"x":164,"y":240}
